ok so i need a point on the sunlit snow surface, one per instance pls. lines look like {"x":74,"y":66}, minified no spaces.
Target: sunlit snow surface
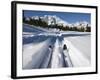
{"x":38,"y":54}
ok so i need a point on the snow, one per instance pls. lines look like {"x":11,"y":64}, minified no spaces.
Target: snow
{"x":60,"y":57}
{"x":37,"y":54}
{"x":74,"y":32}
{"x":56,"y":58}
{"x":79,"y":50}
{"x":84,"y":44}
{"x":33,"y":54}
{"x":67,"y":58}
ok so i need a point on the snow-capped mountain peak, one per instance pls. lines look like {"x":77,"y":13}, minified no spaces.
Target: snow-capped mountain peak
{"x":53,"y":19}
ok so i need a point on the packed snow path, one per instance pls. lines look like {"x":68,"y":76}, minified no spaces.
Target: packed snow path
{"x":41,"y":56}
{"x":60,"y":57}
{"x":44,"y":49}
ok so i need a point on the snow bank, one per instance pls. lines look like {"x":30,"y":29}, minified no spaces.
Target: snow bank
{"x":33,"y":54}
{"x":76,"y":55}
{"x":83,"y":44}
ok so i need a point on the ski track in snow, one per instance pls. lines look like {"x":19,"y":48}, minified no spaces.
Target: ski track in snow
{"x":83,"y":44}
{"x":77,"y":57}
{"x":33,"y":54}
{"x":57,"y":57}
{"x":39,"y":55}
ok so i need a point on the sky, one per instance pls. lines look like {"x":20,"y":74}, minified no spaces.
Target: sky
{"x":70,"y":17}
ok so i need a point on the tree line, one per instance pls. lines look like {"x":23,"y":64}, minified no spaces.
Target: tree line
{"x":40,"y":23}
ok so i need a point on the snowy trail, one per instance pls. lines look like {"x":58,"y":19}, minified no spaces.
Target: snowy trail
{"x":77,"y":57}
{"x":67,"y":58}
{"x":84,"y":45}
{"x":37,"y":53}
{"x":33,"y":54}
{"x":41,"y":56}
{"x":32,"y":29}
{"x":58,"y":57}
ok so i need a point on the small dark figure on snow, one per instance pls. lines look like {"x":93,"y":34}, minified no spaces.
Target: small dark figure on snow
{"x":64,"y":47}
{"x":50,"y":46}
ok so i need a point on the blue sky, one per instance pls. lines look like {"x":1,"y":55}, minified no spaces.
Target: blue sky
{"x":70,"y":17}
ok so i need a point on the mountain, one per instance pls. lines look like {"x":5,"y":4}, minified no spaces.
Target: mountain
{"x":53,"y":19}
